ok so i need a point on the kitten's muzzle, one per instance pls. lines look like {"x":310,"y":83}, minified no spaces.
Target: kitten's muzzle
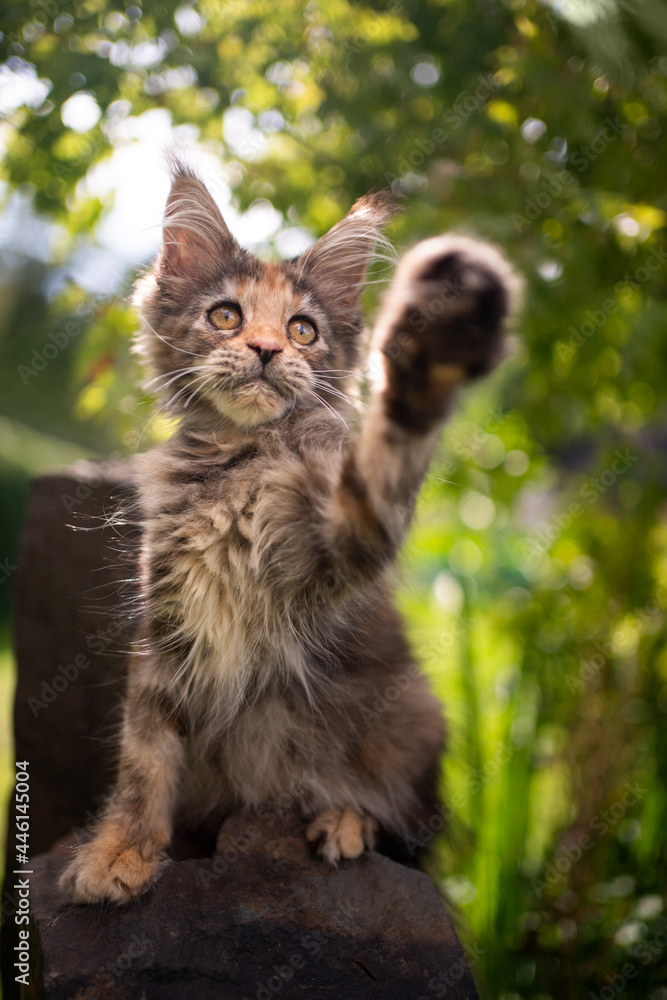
{"x":265,"y":347}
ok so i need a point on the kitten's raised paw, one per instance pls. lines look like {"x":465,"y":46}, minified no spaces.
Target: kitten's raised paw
{"x":445,"y":312}
{"x":105,"y":871}
{"x":342,"y":833}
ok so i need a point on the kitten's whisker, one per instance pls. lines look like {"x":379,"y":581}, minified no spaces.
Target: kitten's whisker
{"x":172,"y":346}
{"x":358,"y":404}
{"x":172,"y":376}
{"x":180,"y":392}
{"x":332,"y":410}
{"x":334,"y":388}
{"x":192,"y":385}
{"x":333,"y":374}
{"x":147,"y":425}
{"x":164,"y":406}
{"x":198,"y":389}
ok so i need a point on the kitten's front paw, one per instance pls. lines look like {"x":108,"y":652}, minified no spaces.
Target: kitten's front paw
{"x":442,"y":322}
{"x":450,"y":298}
{"x":103,"y":870}
{"x":341,"y":833}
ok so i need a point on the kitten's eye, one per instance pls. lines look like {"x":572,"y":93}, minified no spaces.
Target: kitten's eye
{"x":302,"y":331}
{"x":225,"y":317}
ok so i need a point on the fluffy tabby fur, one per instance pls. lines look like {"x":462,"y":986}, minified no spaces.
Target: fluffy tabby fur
{"x":269,"y":529}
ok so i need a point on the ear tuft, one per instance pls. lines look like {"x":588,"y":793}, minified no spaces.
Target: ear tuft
{"x":195,"y":235}
{"x":339,"y":260}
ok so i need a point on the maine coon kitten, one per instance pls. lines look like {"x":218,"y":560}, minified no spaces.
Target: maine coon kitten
{"x":269,"y":529}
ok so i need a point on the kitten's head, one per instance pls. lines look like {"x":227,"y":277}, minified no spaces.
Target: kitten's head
{"x":226,"y":333}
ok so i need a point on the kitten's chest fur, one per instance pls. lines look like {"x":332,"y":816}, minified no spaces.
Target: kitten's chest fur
{"x":206,"y":553}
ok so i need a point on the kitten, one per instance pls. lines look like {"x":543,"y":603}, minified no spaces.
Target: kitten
{"x":269,"y":530}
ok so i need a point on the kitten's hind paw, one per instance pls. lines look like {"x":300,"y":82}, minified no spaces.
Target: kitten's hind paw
{"x":341,"y":833}
{"x":104,"y":871}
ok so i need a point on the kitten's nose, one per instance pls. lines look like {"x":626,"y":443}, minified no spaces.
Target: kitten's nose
{"x":265,"y":346}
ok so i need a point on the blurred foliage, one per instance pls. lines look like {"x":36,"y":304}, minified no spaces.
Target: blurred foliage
{"x":536,"y":576}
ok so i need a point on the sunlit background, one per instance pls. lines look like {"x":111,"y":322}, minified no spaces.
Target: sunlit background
{"x":535,"y":580}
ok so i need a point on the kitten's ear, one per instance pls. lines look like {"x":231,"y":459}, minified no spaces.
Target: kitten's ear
{"x":195,"y":234}
{"x":340,"y":258}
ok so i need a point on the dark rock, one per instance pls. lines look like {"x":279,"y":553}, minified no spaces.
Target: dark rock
{"x":262,"y":917}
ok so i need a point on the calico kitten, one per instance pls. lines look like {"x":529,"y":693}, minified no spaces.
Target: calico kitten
{"x":269,"y":529}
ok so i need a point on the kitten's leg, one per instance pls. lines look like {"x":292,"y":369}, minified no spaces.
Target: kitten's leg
{"x":440,"y":327}
{"x":380,"y":758}
{"x":126,"y":852}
